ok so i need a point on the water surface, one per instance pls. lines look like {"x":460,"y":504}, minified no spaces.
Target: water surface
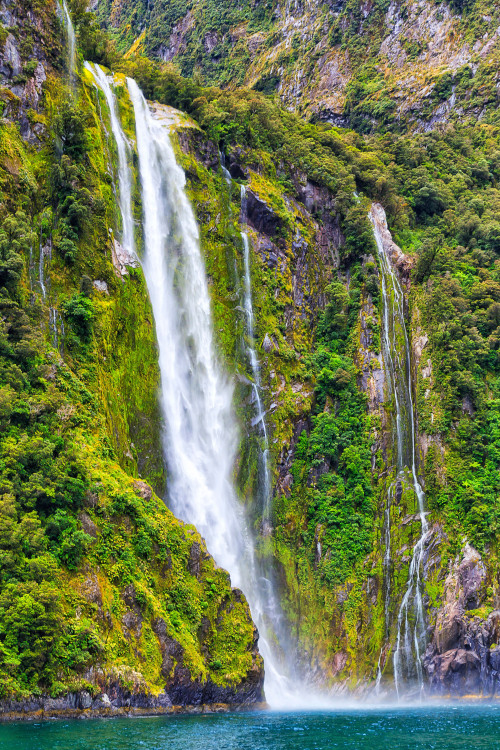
{"x":435,"y":728}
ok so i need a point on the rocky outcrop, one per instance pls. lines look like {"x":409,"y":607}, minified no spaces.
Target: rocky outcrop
{"x":463,"y":656}
{"x":124,"y":692}
{"x":27,"y":56}
{"x":118,"y":700}
{"x":260,"y":216}
{"x":402,"y":262}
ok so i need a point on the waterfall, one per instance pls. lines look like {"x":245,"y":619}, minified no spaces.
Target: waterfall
{"x":123,"y":148}
{"x":70,"y":31}
{"x":255,"y":367}
{"x":41,"y":271}
{"x":200,"y":435}
{"x":45,"y":253}
{"x":411,"y":635}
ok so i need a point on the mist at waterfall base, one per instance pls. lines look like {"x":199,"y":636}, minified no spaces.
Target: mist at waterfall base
{"x":439,"y":727}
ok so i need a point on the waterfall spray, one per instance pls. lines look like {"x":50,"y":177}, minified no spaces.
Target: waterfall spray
{"x":199,"y":431}
{"x":410,"y":638}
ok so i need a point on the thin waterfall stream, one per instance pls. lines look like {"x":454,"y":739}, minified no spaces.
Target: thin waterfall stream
{"x":123,"y":149}
{"x":260,"y":414}
{"x":70,"y":31}
{"x":411,"y":632}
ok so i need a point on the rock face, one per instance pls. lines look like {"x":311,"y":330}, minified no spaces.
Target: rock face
{"x":308,"y":53}
{"x":260,"y":216}
{"x":127,"y":693}
{"x":27,"y":56}
{"x":463,"y":657}
{"x":118,"y":700}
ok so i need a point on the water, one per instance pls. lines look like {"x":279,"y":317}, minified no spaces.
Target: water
{"x":123,"y":149}
{"x":260,"y":414}
{"x":200,"y":436}
{"x":41,"y":271}
{"x":70,"y":31}
{"x":426,"y":728}
{"x":411,"y":632}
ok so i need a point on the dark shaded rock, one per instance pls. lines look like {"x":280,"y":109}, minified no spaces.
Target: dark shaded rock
{"x":260,"y":216}
{"x":195,"y":559}
{"x":172,"y":652}
{"x":236,"y":171}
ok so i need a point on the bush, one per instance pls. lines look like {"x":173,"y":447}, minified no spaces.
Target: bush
{"x":78,"y":311}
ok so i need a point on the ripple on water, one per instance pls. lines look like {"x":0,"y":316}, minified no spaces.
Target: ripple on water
{"x":441,"y":727}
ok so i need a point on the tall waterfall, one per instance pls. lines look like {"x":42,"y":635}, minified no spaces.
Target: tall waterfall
{"x":70,"y":31}
{"x":123,"y":148}
{"x":260,"y":415}
{"x":411,"y":636}
{"x":196,"y":399}
{"x":199,"y":436}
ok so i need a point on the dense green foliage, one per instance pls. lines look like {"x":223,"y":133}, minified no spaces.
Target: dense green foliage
{"x":84,"y":547}
{"x":75,"y":428}
{"x":332,"y":477}
{"x":228,"y":44}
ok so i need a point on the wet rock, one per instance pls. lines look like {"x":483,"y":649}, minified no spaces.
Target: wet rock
{"x":267,"y":344}
{"x":260,"y":216}
{"x":462,"y":656}
{"x":195,"y":559}
{"x":101,"y":286}
{"x":403,"y":262}
{"x":122,"y":259}
{"x":236,"y":171}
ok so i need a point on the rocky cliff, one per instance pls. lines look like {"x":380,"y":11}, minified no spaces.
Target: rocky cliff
{"x":108,"y":603}
{"x":350,"y":63}
{"x":127,"y":606}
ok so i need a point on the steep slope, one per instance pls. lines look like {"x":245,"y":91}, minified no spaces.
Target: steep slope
{"x":354,"y":63}
{"x":107,"y":601}
{"x":318,"y":304}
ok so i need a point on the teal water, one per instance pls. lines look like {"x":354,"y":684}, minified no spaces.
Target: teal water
{"x":435,"y":728}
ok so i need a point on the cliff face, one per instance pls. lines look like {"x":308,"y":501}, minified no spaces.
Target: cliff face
{"x":128,"y":607}
{"x":107,"y":602}
{"x":350,"y":63}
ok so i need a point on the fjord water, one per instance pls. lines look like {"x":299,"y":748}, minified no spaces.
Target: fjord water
{"x":435,"y":728}
{"x":410,"y":636}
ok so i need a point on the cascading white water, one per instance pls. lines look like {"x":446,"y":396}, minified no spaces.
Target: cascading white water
{"x":410,"y":638}
{"x":260,"y":414}
{"x":70,"y":31}
{"x":196,"y":400}
{"x":200,"y":437}
{"x":123,"y":148}
{"x":199,"y":432}
{"x":41,"y":271}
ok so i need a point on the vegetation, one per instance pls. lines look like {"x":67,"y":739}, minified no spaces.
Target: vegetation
{"x":90,"y":557}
